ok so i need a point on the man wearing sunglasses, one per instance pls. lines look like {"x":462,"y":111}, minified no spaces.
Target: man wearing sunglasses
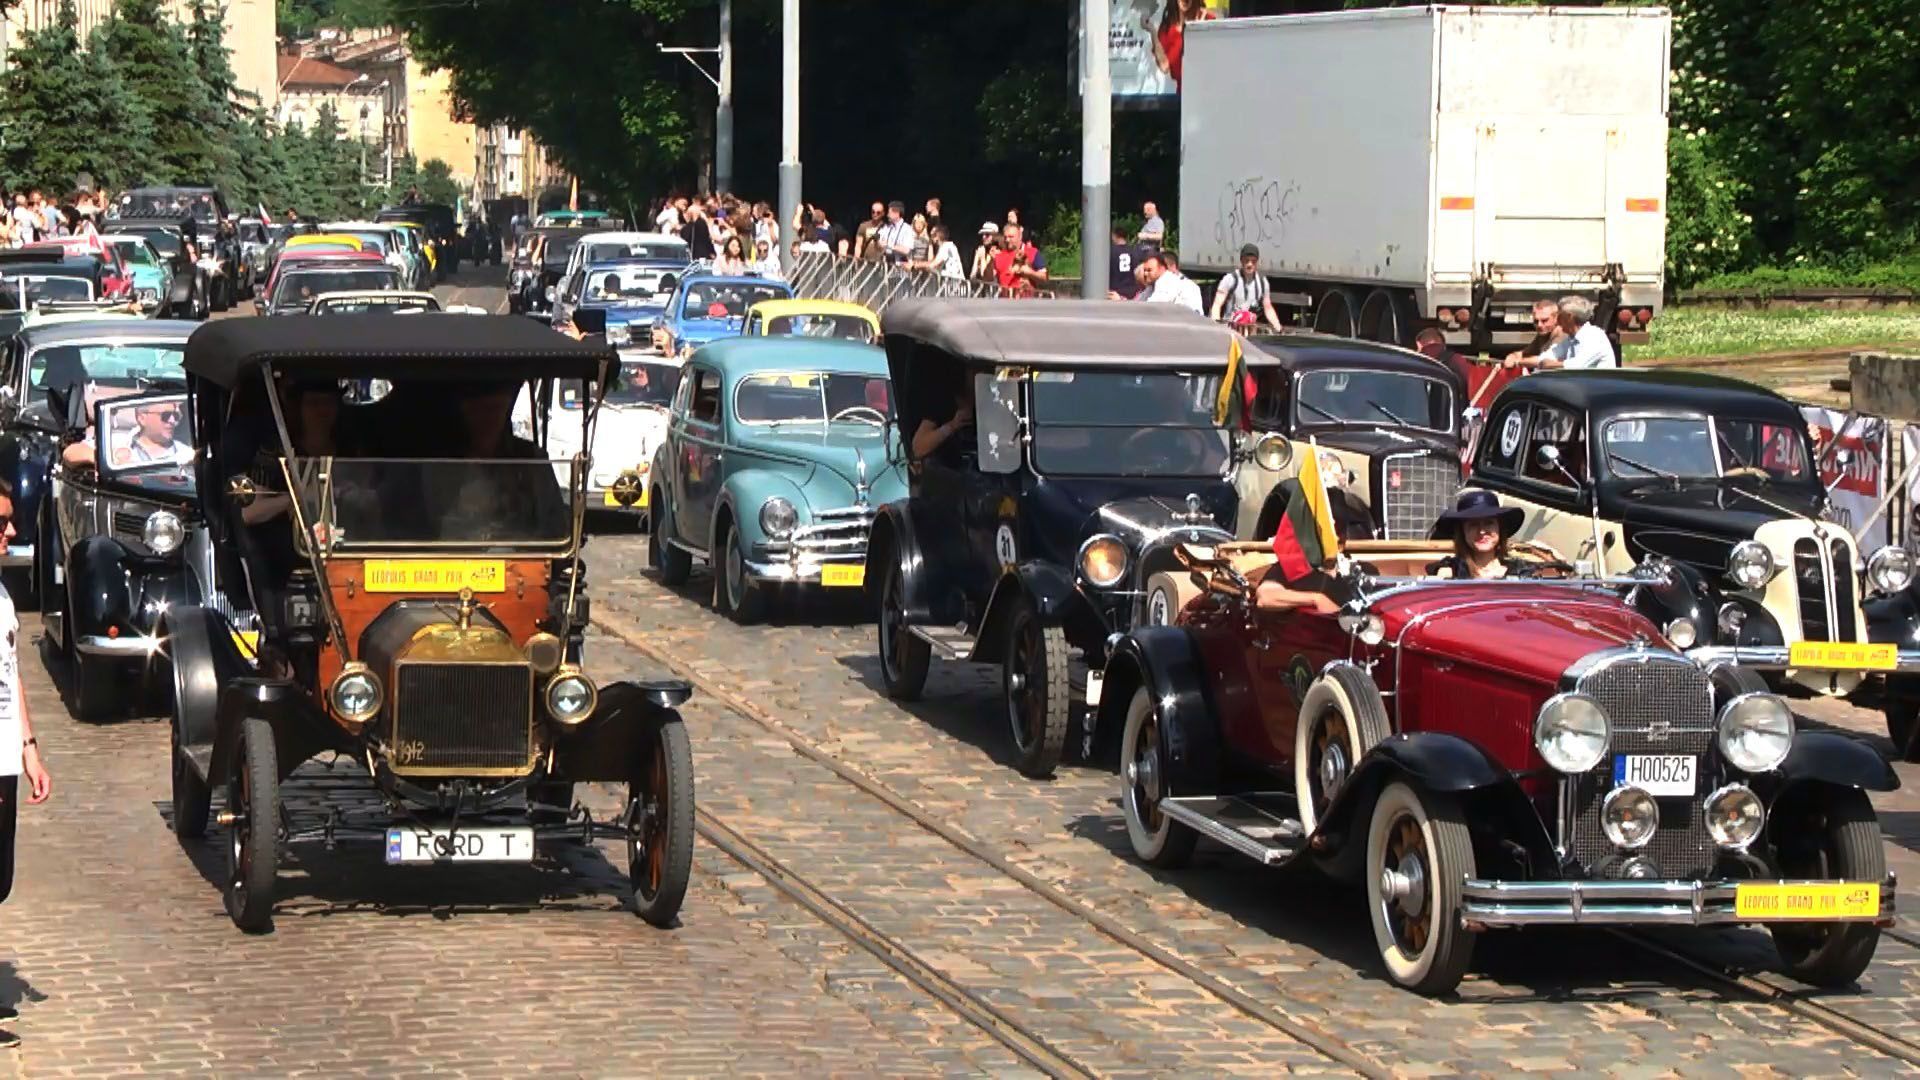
{"x":153,"y":437}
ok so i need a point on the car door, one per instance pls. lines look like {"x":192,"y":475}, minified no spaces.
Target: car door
{"x":996,"y":536}
{"x":700,"y":456}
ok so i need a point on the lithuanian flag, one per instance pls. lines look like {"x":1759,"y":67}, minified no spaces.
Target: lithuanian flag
{"x":1305,"y":540}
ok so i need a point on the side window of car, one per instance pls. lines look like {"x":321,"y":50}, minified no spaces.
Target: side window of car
{"x":706,"y":397}
{"x":996,"y":414}
{"x":1504,"y":439}
{"x":1562,"y":430}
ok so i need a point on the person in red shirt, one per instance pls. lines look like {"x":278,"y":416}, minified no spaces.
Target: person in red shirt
{"x":1018,"y":266}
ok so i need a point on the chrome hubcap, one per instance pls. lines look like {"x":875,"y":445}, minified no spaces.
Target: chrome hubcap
{"x":1017,"y":683}
{"x":1333,"y":770}
{"x":1404,"y":886}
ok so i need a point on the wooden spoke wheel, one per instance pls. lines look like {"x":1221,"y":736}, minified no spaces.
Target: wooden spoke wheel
{"x":1418,"y":854}
{"x":660,"y":823}
{"x":253,"y":838}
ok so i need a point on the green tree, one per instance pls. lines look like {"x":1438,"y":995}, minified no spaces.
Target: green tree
{"x":64,"y":112}
{"x":153,"y":56}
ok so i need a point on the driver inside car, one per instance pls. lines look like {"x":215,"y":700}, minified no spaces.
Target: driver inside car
{"x":931,"y":437}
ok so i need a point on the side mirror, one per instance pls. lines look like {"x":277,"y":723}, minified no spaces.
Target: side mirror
{"x":1471,"y":414}
{"x":550,"y":294}
{"x":1549,"y":458}
{"x":1273,"y":452}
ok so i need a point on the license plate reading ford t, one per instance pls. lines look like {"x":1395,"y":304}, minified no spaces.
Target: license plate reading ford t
{"x":1778,"y":901}
{"x":1843,"y":655}
{"x":1659,"y":775}
{"x":436,"y":575}
{"x":834,"y":575}
{"x":408,"y":844}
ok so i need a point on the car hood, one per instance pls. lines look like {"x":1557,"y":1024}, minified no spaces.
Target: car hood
{"x":1720,"y":510}
{"x":1530,"y":633}
{"x":1063,"y":512}
{"x":1375,"y":442}
{"x":837,"y":448}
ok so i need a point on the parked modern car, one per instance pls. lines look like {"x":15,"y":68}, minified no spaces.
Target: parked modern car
{"x":1385,"y":422}
{"x":1057,"y":452}
{"x":1715,"y":477}
{"x":631,"y":293}
{"x":106,"y":357}
{"x":775,"y":462}
{"x":706,"y":307}
{"x":1493,"y":754}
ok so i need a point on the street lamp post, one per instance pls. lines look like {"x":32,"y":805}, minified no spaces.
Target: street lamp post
{"x":789,"y":117}
{"x":1096,"y":152}
{"x":723,"y":115}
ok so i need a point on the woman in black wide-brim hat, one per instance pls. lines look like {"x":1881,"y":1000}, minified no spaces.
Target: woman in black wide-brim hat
{"x":1479,"y":528}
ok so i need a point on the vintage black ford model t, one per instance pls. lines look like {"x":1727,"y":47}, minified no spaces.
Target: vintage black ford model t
{"x":1057,"y":452}
{"x":415,"y":570}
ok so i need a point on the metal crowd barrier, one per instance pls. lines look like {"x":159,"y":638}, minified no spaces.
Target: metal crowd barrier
{"x":818,"y":276}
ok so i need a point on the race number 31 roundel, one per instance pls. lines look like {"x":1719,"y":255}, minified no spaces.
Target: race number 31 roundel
{"x":1510,"y":434}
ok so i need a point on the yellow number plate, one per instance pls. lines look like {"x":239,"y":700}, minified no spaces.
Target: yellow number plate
{"x":842,"y":576}
{"x":1844,"y":655}
{"x":1838,"y":900}
{"x":436,"y":575}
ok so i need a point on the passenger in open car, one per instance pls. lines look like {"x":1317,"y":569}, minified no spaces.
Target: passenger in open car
{"x":1480,"y":529}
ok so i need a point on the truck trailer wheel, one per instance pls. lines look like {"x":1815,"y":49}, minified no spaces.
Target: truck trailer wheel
{"x":1334,"y":312}
{"x":1387,"y":317}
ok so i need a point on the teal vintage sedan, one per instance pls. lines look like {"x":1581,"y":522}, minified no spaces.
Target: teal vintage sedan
{"x":777,"y":452}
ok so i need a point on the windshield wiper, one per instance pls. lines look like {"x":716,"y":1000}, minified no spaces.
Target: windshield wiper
{"x":1652,"y":473}
{"x":1390,"y":414}
{"x":1325,"y":413}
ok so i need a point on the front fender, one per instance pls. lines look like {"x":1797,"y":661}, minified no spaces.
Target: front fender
{"x":1447,"y":764}
{"x":26,"y":460}
{"x":607,"y":747}
{"x":1833,"y":758}
{"x":204,"y":658}
{"x":891,"y":545}
{"x":1164,"y":661}
{"x":1683,"y":595}
{"x":300,"y":729}
{"x":743,"y":493}
{"x":1052,"y":593}
{"x":99,"y":587}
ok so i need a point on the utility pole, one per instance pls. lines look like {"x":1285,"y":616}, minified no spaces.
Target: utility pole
{"x":723,"y":116}
{"x":789,"y":123}
{"x":1096,"y":151}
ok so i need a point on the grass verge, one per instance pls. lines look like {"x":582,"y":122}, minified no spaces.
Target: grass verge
{"x":1691,"y":332}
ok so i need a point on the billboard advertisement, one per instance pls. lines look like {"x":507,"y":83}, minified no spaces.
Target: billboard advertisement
{"x":1146,"y":46}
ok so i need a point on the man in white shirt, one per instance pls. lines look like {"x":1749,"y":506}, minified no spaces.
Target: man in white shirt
{"x":26,"y":223}
{"x":669,"y":219}
{"x":1153,"y":231}
{"x":1166,"y":284}
{"x":19,"y":750}
{"x":1584,"y":345}
{"x":896,"y":236}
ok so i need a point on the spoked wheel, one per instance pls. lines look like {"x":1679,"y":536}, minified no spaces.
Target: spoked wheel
{"x":192,"y":797}
{"x":672,"y":564}
{"x":1341,"y":718}
{"x":253,"y":841}
{"x":734,"y":593}
{"x":1034,"y":684}
{"x":1848,"y":849}
{"x":1418,"y":853}
{"x":904,"y":656}
{"x":1157,"y":839}
{"x":660,"y":823}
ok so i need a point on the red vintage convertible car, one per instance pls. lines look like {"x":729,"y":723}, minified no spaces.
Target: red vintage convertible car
{"x":1493,"y":754}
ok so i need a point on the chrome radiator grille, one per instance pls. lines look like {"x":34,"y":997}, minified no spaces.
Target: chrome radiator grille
{"x":1659,"y":704}
{"x":834,"y":535}
{"x":1414,"y":490}
{"x":469,"y":719}
{"x":1815,"y":572}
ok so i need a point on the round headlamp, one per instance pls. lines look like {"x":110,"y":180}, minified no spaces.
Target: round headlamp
{"x":1682,"y":633}
{"x":163,"y":532}
{"x":1629,"y":817}
{"x":1890,"y":569}
{"x":571,"y":697}
{"x":1572,"y":732}
{"x":778,"y":517}
{"x":1103,"y":561}
{"x":1273,"y":452}
{"x":1734,"y":816}
{"x":1750,"y":564}
{"x":355,"y":694}
{"x":1756,"y":731}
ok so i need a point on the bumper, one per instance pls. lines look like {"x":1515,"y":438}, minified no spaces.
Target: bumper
{"x":1491,"y":904}
{"x":130,"y":647}
{"x":846,"y":571}
{"x":831,"y":551}
{"x":1846,"y":657}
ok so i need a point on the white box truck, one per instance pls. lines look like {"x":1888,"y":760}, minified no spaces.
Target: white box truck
{"x":1442,"y":166}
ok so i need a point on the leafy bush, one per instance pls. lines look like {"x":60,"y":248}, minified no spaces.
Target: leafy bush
{"x":1896,"y":275}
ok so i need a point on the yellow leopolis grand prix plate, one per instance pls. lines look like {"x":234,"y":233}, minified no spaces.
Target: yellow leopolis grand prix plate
{"x":436,"y":575}
{"x":1770,"y":901}
{"x":1843,"y":655}
{"x":835,"y":575}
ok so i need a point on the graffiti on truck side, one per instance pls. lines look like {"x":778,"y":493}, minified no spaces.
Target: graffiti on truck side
{"x":1253,"y":211}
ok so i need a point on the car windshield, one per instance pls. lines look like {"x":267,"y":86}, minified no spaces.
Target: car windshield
{"x":811,"y":397}
{"x":1697,"y":447}
{"x":844,"y":327}
{"x":106,"y":369}
{"x":726,"y":299}
{"x":369,"y":241}
{"x":1392,"y":398}
{"x":559,"y":249}
{"x":625,"y":285}
{"x":362,"y":504}
{"x":639,"y":383}
{"x":168,"y":242}
{"x":297,"y":290}
{"x":604,"y":251}
{"x":373,"y":305}
{"x":1109,"y":423}
{"x":41,"y":288}
{"x":165,"y":203}
{"x":135,"y":252}
{"x":146,"y":434}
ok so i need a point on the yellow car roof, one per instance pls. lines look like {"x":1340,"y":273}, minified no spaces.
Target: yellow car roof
{"x":774,"y":309}
{"x":324,"y":238}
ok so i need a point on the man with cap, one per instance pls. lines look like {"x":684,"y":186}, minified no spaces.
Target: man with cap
{"x":1480,"y":529}
{"x":1243,"y":295}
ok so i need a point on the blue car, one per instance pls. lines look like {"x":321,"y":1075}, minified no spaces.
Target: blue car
{"x":774,"y":460}
{"x":707,"y":307}
{"x":633,"y":292}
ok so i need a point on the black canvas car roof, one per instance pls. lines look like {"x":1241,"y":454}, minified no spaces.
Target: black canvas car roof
{"x":1305,"y":351}
{"x":1617,"y":390}
{"x":1065,"y":333}
{"x":428,"y":346}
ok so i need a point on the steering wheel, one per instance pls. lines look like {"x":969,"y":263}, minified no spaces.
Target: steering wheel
{"x":1142,"y":442}
{"x":859,"y":410}
{"x":1546,"y":569}
{"x":1748,"y":470}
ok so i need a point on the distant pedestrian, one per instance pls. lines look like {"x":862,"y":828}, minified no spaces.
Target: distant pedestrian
{"x":764,"y":262}
{"x":896,"y":236}
{"x":1244,"y":295}
{"x":866,"y":238}
{"x":982,"y":267}
{"x":1153,"y":232}
{"x":1547,"y":337}
{"x":1165,"y":284}
{"x":19,"y":749}
{"x":698,"y":233}
{"x":946,"y":256}
{"x":1585,"y":345}
{"x":934,"y":217}
{"x":834,"y":236}
{"x":26,"y":223}
{"x":1121,"y":265}
{"x":1019,"y":266}
{"x":921,"y":257}
{"x":733,"y":258}
{"x":671,"y":216}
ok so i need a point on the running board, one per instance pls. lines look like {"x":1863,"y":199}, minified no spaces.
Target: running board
{"x":1247,"y":824}
{"x":950,"y":643}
